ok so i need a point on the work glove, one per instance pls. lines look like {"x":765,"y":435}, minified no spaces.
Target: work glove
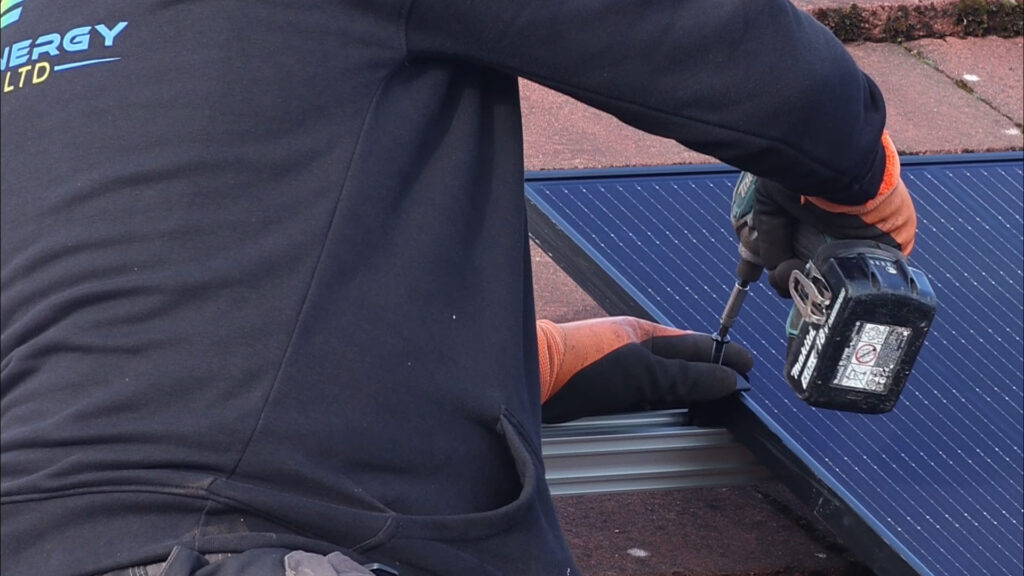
{"x":781,"y":230}
{"x":624,"y":364}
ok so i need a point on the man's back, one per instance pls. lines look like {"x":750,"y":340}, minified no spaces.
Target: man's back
{"x":265,"y":273}
{"x":224,"y":279}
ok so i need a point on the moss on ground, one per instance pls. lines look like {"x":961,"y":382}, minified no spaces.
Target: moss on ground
{"x":848,"y":23}
{"x":901,"y":23}
{"x":1003,"y":18}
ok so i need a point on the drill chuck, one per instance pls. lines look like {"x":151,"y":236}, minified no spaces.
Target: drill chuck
{"x":746,"y":272}
{"x":733,"y":306}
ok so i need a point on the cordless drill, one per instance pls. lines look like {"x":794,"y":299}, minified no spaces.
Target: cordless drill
{"x":860,"y":316}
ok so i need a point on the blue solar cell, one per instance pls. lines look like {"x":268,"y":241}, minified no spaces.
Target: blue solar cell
{"x":939,"y":479}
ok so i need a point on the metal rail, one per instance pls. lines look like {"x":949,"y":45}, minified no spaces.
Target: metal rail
{"x":645,"y":451}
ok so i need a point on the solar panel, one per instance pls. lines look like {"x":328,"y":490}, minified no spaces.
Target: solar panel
{"x":933,"y":487}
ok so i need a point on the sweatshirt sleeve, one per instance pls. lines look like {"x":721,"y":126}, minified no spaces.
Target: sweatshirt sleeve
{"x":757,"y":84}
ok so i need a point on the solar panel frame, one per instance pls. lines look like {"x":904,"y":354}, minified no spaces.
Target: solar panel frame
{"x":597,"y":263}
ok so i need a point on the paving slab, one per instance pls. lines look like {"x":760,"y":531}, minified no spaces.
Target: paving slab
{"x":927,"y":112}
{"x":560,"y":133}
{"x":991,"y":68}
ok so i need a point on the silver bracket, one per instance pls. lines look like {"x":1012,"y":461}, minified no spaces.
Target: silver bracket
{"x":810,"y":294}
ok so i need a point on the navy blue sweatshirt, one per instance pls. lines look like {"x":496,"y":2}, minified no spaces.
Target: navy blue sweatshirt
{"x":265,"y":278}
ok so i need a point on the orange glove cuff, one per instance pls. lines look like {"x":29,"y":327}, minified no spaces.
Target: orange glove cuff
{"x":565,"y":349}
{"x":551,"y":348}
{"x":892,"y":210}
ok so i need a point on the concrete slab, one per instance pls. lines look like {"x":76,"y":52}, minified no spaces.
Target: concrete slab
{"x":927,"y":112}
{"x":992,"y":68}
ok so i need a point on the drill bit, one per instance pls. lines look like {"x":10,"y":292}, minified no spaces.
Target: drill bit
{"x":747,"y":272}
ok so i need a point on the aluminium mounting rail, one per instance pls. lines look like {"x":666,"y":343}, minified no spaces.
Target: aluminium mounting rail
{"x":643,"y":451}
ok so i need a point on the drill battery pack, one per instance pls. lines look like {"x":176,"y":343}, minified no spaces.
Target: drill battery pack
{"x":865,"y":315}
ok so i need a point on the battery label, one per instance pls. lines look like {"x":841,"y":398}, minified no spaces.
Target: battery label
{"x":869,"y":361}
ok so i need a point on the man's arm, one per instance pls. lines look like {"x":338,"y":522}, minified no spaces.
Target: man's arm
{"x":758,"y":84}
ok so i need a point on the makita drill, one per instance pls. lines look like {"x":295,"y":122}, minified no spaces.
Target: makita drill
{"x":859,"y":319}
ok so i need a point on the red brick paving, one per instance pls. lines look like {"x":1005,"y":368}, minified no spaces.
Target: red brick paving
{"x":927,"y":111}
{"x":995,"y":67}
{"x":561,"y":133}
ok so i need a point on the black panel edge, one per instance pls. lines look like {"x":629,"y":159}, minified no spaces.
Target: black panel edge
{"x":580,"y":266}
{"x":961,"y":159}
{"x":854,"y":531}
{"x":628,"y":172}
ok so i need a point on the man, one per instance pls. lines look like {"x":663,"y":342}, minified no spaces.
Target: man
{"x":266,"y":287}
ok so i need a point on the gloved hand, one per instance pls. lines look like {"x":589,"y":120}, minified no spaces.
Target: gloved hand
{"x":782,"y":231}
{"x":624,"y":364}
